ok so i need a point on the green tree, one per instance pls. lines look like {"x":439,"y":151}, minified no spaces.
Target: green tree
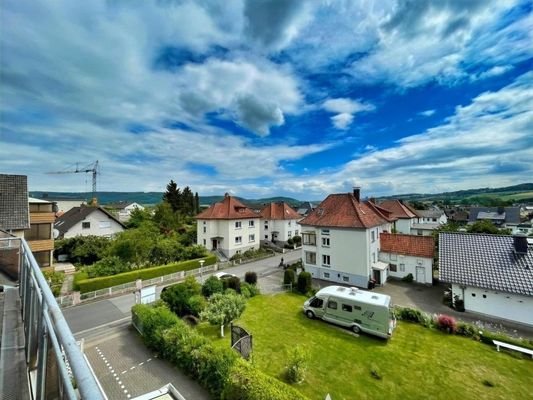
{"x":196,"y":203}
{"x":211,"y":286}
{"x":187,"y":201}
{"x":181,"y":297}
{"x":222,"y":309}
{"x":139,"y":217}
{"x":166,"y":218}
{"x":173,"y":196}
{"x":483,"y":226}
{"x":134,"y":246}
{"x":83,"y":250}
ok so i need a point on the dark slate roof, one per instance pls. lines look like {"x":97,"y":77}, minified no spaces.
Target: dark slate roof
{"x":14,"y":210}
{"x":429,"y":213}
{"x":511,"y":214}
{"x":77,"y":214}
{"x":485,"y":261}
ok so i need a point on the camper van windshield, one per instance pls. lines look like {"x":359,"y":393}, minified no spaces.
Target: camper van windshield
{"x":316,"y":302}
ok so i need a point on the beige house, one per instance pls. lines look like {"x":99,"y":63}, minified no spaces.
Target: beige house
{"x":87,"y":221}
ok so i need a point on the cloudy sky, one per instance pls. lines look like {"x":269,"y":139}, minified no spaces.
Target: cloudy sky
{"x":260,"y":98}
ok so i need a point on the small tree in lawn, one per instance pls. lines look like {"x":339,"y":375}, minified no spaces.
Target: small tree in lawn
{"x":222,"y":309}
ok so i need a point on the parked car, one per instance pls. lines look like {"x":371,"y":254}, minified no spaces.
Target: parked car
{"x":224,"y":275}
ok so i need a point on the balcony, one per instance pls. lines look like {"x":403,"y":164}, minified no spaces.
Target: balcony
{"x":42,"y":218}
{"x":41,"y":245}
{"x":40,"y":357}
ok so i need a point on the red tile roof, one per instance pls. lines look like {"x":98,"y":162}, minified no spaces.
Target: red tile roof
{"x":279,"y":210}
{"x":229,"y":208}
{"x":398,"y":209}
{"x":409,"y":245}
{"x":343,"y":210}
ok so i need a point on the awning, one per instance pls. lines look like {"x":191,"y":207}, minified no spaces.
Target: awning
{"x":380,"y":266}
{"x":218,"y":237}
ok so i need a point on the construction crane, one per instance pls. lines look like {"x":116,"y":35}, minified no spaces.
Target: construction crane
{"x":93,"y":168}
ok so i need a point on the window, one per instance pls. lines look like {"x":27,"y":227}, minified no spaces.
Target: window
{"x":205,"y":229}
{"x":266,"y":237}
{"x":251,"y":238}
{"x":326,"y":260}
{"x":419,"y":232}
{"x":434,"y":219}
{"x":346,"y":307}
{"x":317,"y":303}
{"x":205,"y":243}
{"x":204,"y":222}
{"x":357,"y":308}
{"x":238,"y":225}
{"x":325,"y":231}
{"x":402,"y":267}
{"x":289,"y":234}
{"x":332,"y":304}
{"x":266,"y":226}
{"x":289,"y":223}
{"x":374,"y":258}
{"x":393,"y":257}
{"x":309,"y":239}
{"x":310,"y":257}
{"x":296,"y":232}
{"x":373,"y":236}
{"x":325,"y":242}
{"x":393,"y":268}
{"x":484,"y":296}
{"x":326,"y":275}
{"x":473,"y":295}
{"x":86,"y":225}
{"x":238,"y":239}
{"x":345,"y":279}
{"x":38,"y":232}
{"x":251,"y":223}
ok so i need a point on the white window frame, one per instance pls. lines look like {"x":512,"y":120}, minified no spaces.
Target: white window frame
{"x":251,"y":238}
{"x":402,"y":267}
{"x":251,"y":223}
{"x":325,"y":242}
{"x":326,"y":260}
{"x":238,"y":239}
{"x":307,"y":257}
{"x":238,"y":224}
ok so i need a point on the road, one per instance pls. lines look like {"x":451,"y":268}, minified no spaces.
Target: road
{"x":92,"y":318}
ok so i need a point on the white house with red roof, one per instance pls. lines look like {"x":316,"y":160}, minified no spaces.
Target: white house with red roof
{"x":228,"y":226}
{"x":279,"y":222}
{"x":405,"y":216}
{"x":340,"y":240}
{"x":408,"y":254}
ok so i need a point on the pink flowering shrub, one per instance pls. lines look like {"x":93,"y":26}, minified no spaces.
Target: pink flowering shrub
{"x":446,"y":323}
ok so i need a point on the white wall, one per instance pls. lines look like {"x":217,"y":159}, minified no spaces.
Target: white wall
{"x":285,"y":228}
{"x":513,"y":307}
{"x":100,"y":225}
{"x":404,"y":225}
{"x":425,"y":232}
{"x":351,"y":254}
{"x":441,"y":220}
{"x":228,"y":232}
{"x":410,"y":264}
{"x":66,"y":205}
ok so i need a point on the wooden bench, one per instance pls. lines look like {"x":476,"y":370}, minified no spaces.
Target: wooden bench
{"x":512,"y":347}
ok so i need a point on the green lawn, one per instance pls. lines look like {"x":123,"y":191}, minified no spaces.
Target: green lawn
{"x":416,"y":363}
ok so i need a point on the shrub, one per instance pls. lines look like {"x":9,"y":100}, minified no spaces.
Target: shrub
{"x":107,"y":266}
{"x":211,"y":286}
{"x":290,"y":242}
{"x":223,"y":308}
{"x":232,"y":283}
{"x":297,"y":240}
{"x":466,"y":330}
{"x":55,"y":281}
{"x":488,"y":336}
{"x":446,"y":323}
{"x":289,"y":277}
{"x":408,"y":278}
{"x":88,"y":285}
{"x":248,"y":383}
{"x":459,"y":304}
{"x":297,"y":364}
{"x":409,"y":314}
{"x":196,"y":304}
{"x":182,"y":298}
{"x":250,"y":277}
{"x":304,"y":282}
{"x":248,"y":290}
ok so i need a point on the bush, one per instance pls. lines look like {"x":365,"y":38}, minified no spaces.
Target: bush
{"x":466,"y":330}
{"x":304,"y":282}
{"x":233,"y":283}
{"x":297,"y":364}
{"x":196,"y":304}
{"x":408,"y":278}
{"x":182,"y":298}
{"x":459,"y":304}
{"x":446,"y":323}
{"x":250,"y":277}
{"x":107,"y":266}
{"x":55,"y":281}
{"x":487,"y":337}
{"x":289,"y":277}
{"x":89,"y":285}
{"x":248,"y":383}
{"x":211,"y":286}
{"x":409,"y":314}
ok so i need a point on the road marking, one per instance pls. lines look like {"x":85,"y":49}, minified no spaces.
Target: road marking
{"x":141,"y":363}
{"x":133,"y":367}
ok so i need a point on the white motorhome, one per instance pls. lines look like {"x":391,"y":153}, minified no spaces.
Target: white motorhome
{"x":353,"y":308}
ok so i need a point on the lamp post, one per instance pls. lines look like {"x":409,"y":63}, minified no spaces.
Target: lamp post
{"x":201,"y":270}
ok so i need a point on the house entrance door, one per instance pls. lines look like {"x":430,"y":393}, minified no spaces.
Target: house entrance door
{"x":420,"y":274}
{"x":215,"y":243}
{"x":377,"y":276}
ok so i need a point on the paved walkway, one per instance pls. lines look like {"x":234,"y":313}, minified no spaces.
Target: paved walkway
{"x":126,"y":368}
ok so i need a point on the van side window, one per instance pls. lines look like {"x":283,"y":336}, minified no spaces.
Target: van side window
{"x":332,"y":305}
{"x":317,"y":303}
{"x":357,"y":308}
{"x":346,"y":307}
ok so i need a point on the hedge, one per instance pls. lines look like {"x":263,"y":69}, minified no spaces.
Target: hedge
{"x":89,"y":285}
{"x":248,"y":383}
{"x":219,"y":369}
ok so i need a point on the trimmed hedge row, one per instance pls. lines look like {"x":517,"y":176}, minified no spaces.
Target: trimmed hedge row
{"x":89,"y":285}
{"x":219,"y":370}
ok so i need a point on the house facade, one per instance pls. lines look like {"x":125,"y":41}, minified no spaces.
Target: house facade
{"x":405,"y":216}
{"x":229,"y":227}
{"x":408,"y":254}
{"x":340,"y":240}
{"x":502,"y":217}
{"x":279,"y":222}
{"x":40,"y":235}
{"x":88,"y":221}
{"x":492,"y":274}
{"x":123,"y":209}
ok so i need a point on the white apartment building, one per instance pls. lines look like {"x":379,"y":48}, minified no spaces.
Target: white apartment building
{"x":279,"y":222}
{"x":405,"y":215}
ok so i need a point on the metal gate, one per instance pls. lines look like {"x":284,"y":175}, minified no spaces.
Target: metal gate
{"x":241,"y":341}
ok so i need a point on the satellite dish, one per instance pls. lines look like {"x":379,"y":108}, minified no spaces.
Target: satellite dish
{"x":56,"y":233}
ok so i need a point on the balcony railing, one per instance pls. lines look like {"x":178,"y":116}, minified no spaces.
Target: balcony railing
{"x":56,"y":365}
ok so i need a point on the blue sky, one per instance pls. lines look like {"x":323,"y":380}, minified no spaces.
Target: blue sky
{"x":264,"y":98}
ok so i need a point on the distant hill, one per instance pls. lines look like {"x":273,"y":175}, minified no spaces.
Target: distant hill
{"x":151,"y":198}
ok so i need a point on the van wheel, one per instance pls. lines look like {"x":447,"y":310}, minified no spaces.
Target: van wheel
{"x":310,"y":314}
{"x":356,"y":329}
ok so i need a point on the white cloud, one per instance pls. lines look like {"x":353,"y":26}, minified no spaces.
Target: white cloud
{"x":427,"y":113}
{"x":345,"y":109}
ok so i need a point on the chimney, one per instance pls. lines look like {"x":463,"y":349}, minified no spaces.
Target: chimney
{"x":501,"y":210}
{"x":520,"y":243}
{"x":226,"y":194}
{"x":357,"y":193}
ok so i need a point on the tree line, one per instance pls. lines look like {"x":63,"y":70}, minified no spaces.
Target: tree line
{"x":183,"y":201}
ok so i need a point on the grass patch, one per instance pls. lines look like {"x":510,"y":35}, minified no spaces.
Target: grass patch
{"x":416,"y":363}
